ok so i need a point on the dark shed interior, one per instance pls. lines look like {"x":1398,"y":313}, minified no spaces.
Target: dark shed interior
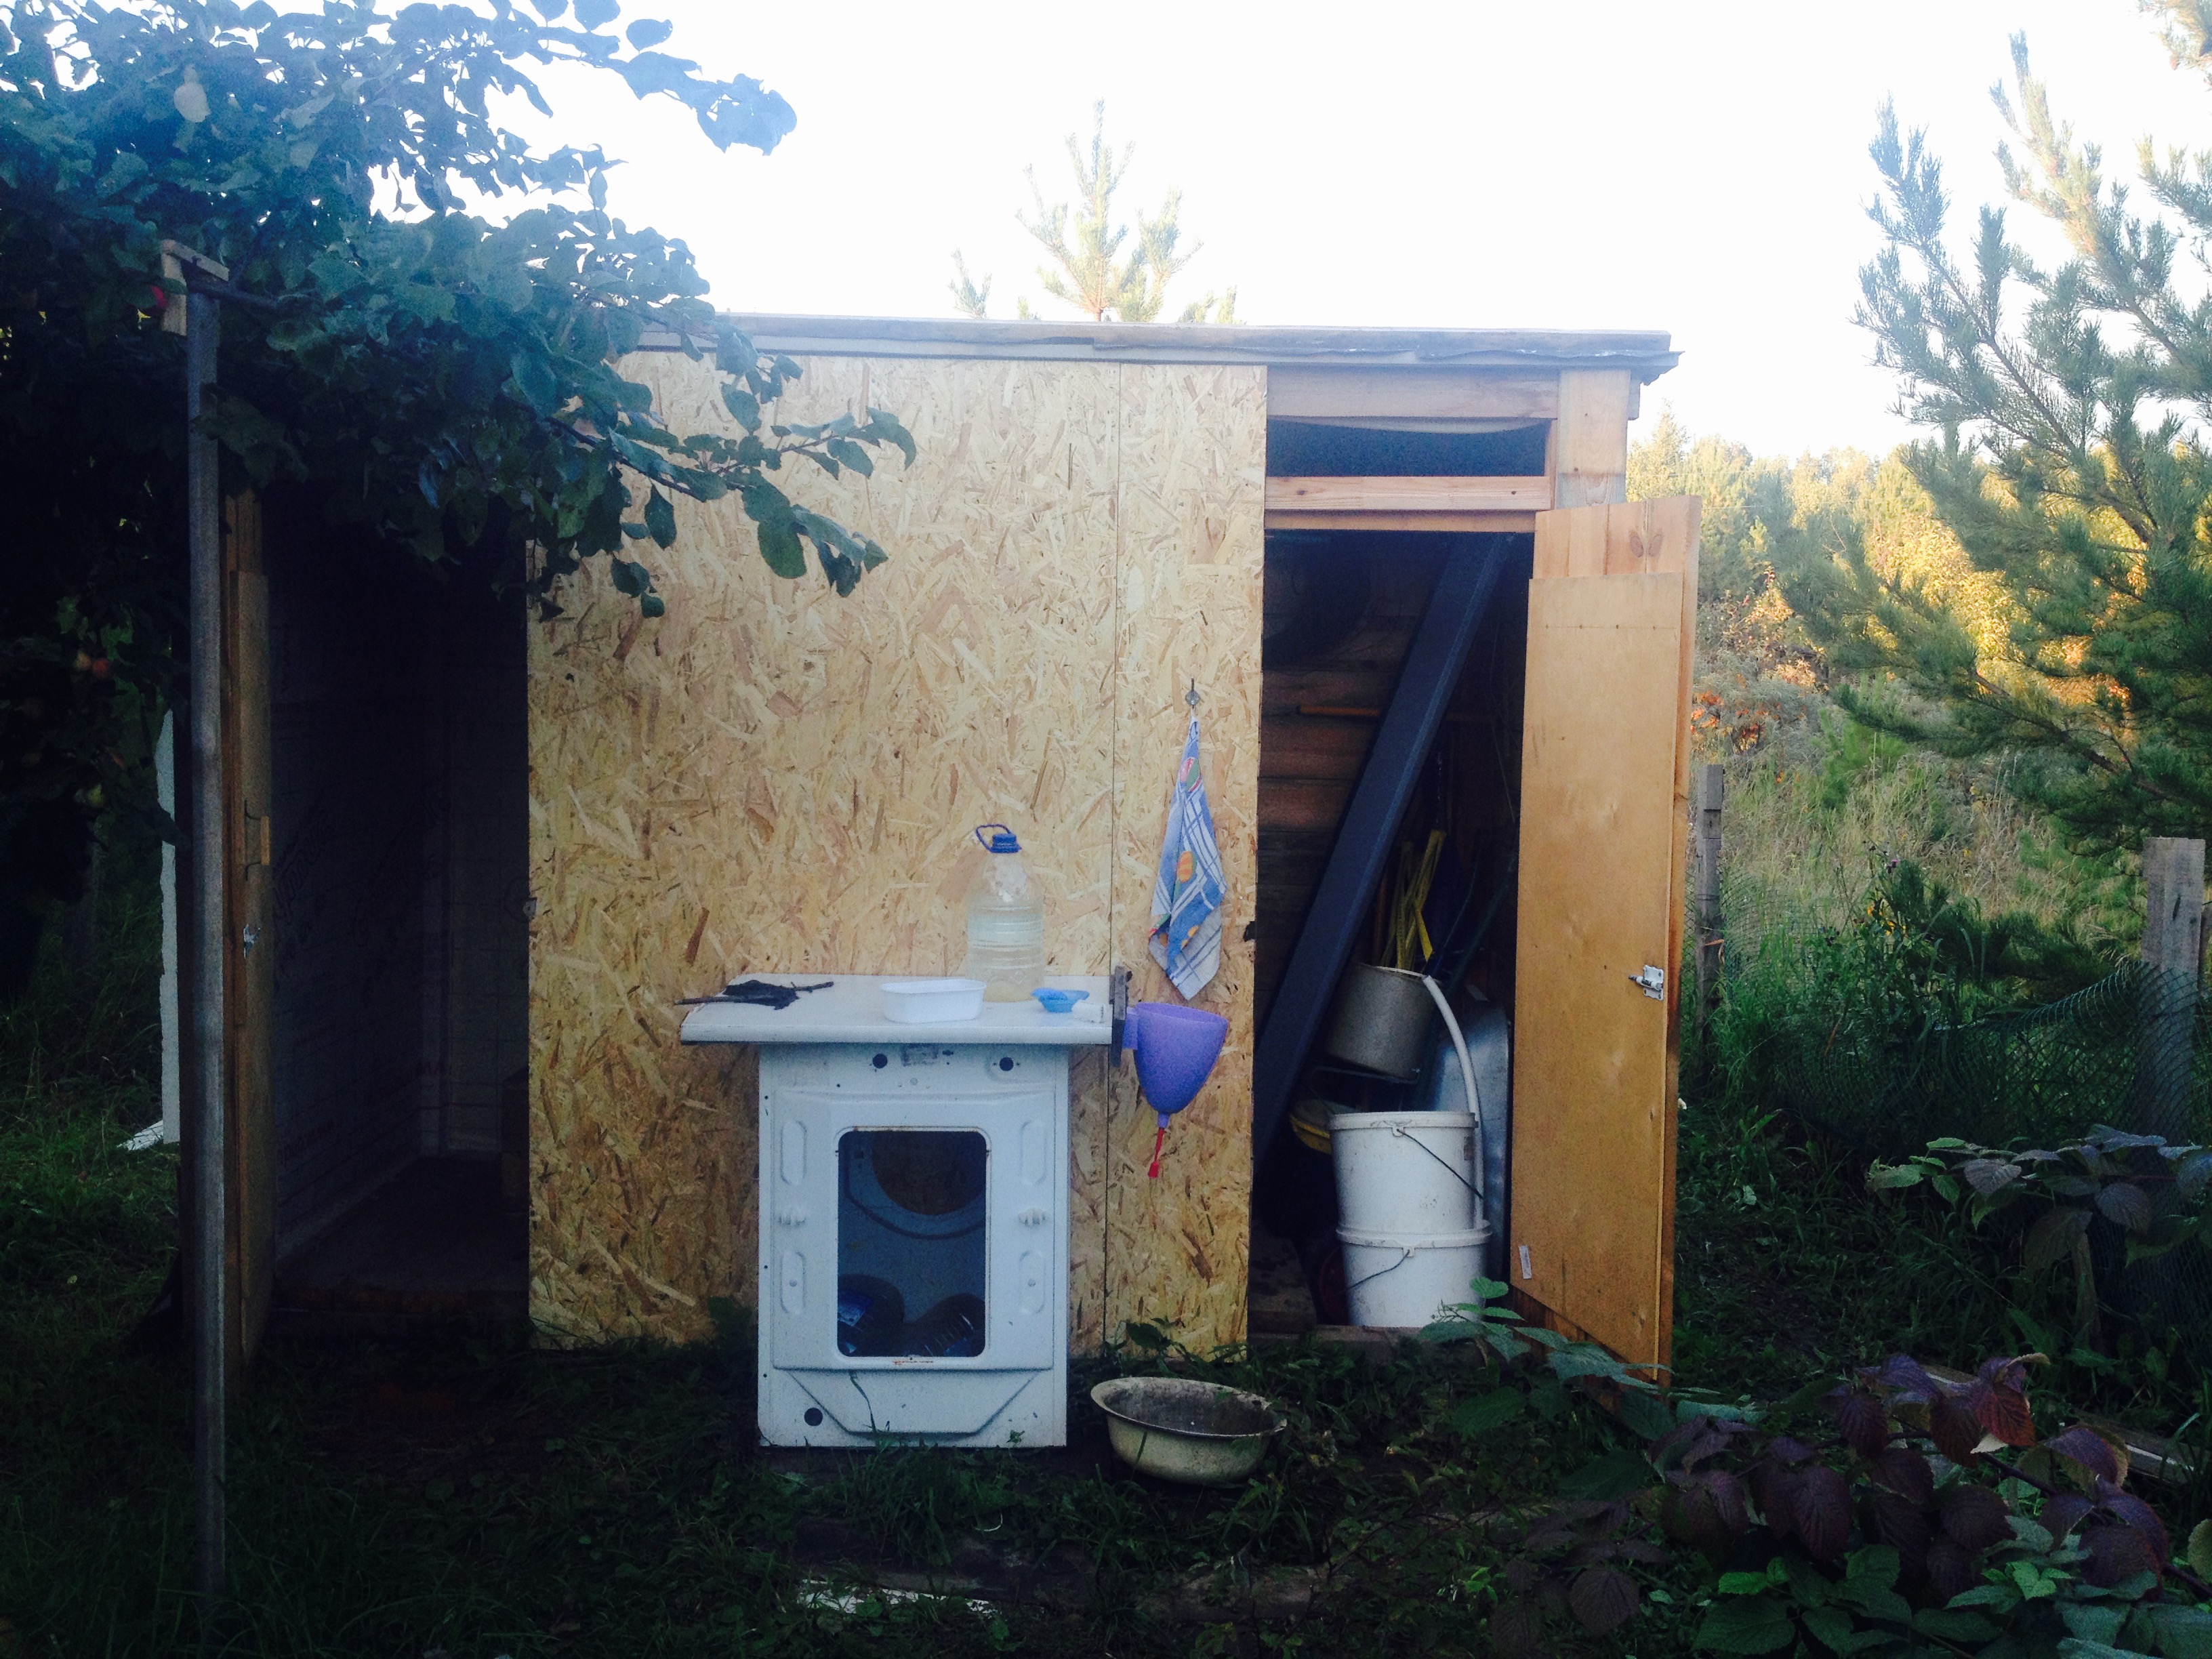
{"x":399,"y":754}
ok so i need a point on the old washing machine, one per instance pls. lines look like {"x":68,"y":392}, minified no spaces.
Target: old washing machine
{"x":914,"y":1216}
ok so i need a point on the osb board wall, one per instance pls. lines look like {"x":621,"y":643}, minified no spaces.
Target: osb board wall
{"x":770,"y":778}
{"x":1193,"y":454}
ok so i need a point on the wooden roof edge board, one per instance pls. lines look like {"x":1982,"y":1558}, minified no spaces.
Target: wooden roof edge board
{"x":1646,"y":354}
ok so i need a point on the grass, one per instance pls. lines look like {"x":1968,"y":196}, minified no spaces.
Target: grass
{"x":475,"y":1498}
{"x":478,"y":1497}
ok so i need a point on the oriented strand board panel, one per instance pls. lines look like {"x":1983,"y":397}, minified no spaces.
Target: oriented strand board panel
{"x":1604,"y":837}
{"x":770,"y":778}
{"x":1194,"y":464}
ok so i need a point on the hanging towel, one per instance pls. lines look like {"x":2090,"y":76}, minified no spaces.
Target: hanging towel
{"x":1187,"y":898}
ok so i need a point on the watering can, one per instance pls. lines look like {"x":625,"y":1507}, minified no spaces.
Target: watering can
{"x":1176,"y":1048}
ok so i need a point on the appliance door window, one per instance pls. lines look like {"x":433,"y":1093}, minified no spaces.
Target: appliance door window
{"x":913,"y":1208}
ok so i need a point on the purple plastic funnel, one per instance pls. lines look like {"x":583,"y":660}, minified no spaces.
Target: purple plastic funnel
{"x":1176,"y":1048}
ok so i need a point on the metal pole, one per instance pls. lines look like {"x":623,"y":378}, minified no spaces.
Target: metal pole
{"x":2173,"y":949}
{"x":205,"y":1096}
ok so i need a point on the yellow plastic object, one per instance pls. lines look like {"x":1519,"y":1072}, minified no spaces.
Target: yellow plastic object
{"x":1310,"y":1121}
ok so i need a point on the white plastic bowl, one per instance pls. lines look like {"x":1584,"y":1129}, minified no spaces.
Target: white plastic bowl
{"x":931,"y":1001}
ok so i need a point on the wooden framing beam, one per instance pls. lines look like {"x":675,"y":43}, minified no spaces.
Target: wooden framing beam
{"x":1520,"y":524}
{"x":1372,"y":496}
{"x":1299,"y":393}
{"x":1589,"y":445}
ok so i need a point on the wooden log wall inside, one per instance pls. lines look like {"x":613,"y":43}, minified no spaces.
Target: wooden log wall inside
{"x":770,"y":778}
{"x":1318,"y":719}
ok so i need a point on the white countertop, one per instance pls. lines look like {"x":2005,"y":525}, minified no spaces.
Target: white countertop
{"x":852,"y":1010}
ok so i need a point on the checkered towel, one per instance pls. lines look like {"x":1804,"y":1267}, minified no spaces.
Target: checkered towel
{"x":1186,"y":897}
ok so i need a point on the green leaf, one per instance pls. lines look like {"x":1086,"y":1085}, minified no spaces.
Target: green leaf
{"x":1832,"y":1627}
{"x":652,"y":605}
{"x":1744,"y":1583}
{"x":660,"y":520}
{"x":1489,"y":1411}
{"x":648,"y":32}
{"x":1647,"y":1414}
{"x":2199,"y":1550}
{"x":1888,"y":1177}
{"x":2098,"y":1622}
{"x":1955,"y":1624}
{"x":533,"y":378}
{"x":1753,"y":1624}
{"x":2182,"y":1633}
{"x":2052,"y":1236}
{"x":780,"y":547}
{"x":1946,"y":1185}
{"x":1806,"y":1581}
{"x":1876,"y":1565}
{"x":1617,"y":1475}
{"x":2002,"y":1597}
{"x":2074,"y":1647}
{"x":882,"y":425}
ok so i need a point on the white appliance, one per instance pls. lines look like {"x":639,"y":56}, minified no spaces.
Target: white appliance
{"x":914,"y":1215}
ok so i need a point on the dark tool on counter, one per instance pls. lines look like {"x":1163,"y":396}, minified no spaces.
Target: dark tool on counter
{"x":758,"y":992}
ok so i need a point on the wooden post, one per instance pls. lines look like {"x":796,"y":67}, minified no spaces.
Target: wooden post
{"x":1589,"y":441}
{"x":2173,"y":946}
{"x":1712,"y":788}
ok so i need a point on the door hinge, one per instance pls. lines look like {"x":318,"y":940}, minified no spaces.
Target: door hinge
{"x":1653,"y":982}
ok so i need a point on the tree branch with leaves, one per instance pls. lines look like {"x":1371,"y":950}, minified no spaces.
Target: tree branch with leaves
{"x":2064,"y":404}
{"x":447,"y":382}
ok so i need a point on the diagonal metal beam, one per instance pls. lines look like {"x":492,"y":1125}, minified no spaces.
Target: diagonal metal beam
{"x":1463,"y":593}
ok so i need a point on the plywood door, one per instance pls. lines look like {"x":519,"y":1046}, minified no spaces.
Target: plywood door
{"x":249,"y":981}
{"x":1604,"y":831}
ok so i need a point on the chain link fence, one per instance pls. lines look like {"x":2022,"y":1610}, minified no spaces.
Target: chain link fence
{"x":1802,"y":1028}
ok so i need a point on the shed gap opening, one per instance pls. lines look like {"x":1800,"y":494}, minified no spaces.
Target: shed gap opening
{"x":399,"y":756}
{"x":1342,"y":610}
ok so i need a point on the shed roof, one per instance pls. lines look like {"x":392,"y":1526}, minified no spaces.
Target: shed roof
{"x":1646,"y":354}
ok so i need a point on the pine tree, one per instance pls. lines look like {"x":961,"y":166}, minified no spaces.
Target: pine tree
{"x":2066,"y":453}
{"x":1084,"y":245}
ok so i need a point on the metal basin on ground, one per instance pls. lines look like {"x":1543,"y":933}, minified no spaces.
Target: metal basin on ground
{"x":1199,"y":1433}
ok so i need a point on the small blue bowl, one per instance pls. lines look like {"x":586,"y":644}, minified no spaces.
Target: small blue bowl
{"x":1057,"y":1001}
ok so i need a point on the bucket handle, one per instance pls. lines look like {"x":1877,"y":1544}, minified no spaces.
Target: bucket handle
{"x":1403,"y":1133}
{"x":1405,"y":1255}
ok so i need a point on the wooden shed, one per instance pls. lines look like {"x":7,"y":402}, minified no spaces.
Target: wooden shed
{"x":1101,"y":519}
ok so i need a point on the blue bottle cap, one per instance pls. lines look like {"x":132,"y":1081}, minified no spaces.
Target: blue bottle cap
{"x":1003,"y":842}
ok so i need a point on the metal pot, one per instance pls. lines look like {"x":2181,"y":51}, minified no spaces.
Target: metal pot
{"x":1381,"y":1020}
{"x":1180,"y":1429}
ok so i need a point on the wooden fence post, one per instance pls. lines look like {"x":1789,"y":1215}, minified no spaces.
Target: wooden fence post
{"x":1711,"y":787}
{"x":2173,"y":945}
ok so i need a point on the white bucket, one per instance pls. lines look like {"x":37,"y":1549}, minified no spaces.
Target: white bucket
{"x":1401,"y":1280}
{"x":1405,"y":1172}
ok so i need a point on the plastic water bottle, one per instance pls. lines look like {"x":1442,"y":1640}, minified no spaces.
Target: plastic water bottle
{"x":1005,"y":922}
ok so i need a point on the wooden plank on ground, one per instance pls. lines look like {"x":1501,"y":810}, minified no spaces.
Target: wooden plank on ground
{"x":1603,"y":844}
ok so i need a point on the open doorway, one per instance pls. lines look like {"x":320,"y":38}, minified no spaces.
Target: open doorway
{"x":1343,"y":607}
{"x":399,"y":763}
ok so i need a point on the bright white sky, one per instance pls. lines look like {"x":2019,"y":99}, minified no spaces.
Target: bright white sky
{"x":1612,"y":164}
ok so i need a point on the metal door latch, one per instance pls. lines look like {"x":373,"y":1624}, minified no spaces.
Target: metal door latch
{"x":1653,"y":982}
